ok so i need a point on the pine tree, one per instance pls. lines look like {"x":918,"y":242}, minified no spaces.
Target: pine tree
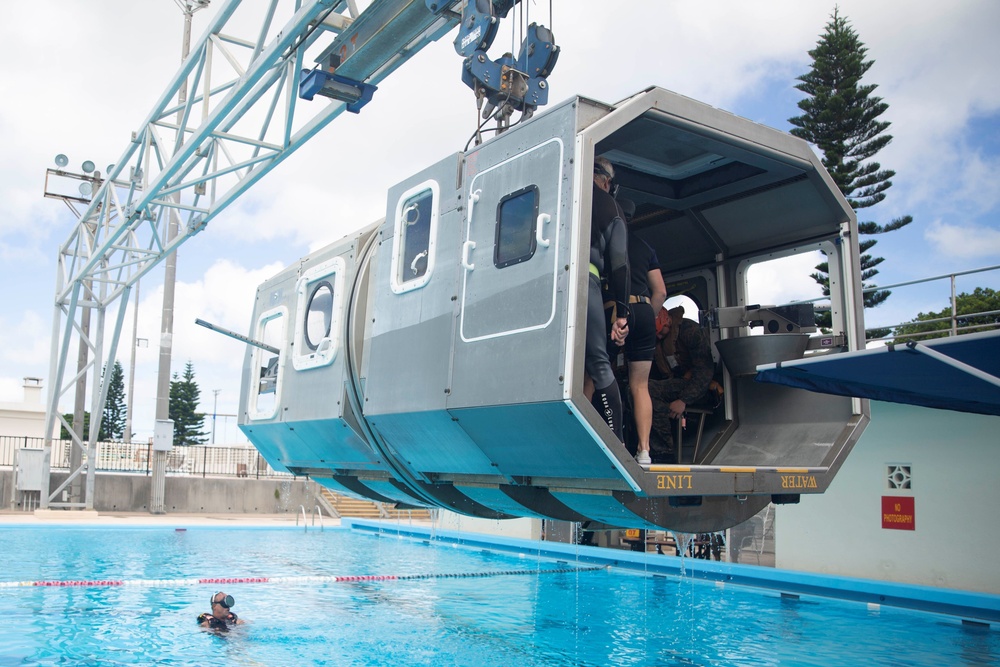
{"x":840,"y":118}
{"x":113,"y":422}
{"x":184,"y":397}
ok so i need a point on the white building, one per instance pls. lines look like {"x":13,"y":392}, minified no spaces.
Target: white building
{"x":935,"y":470}
{"x":27,"y":418}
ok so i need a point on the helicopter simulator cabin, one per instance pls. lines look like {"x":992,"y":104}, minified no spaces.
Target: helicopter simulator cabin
{"x":435,"y":358}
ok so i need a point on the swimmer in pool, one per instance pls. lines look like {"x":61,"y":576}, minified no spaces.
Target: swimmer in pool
{"x":220,"y":618}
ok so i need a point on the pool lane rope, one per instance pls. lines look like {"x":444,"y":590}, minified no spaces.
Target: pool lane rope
{"x":94,"y":583}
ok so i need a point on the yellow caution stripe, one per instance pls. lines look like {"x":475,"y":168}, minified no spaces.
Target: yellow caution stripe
{"x":663,"y":467}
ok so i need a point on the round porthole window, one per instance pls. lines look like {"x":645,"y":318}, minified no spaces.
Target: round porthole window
{"x":319,"y":314}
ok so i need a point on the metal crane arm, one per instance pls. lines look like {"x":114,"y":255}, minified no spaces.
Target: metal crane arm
{"x":195,"y":154}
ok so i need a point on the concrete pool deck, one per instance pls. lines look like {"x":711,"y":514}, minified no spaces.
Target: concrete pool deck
{"x":231,"y":519}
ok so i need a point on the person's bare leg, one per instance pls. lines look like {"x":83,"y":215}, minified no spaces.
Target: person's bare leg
{"x":642,"y":405}
{"x":588,"y":387}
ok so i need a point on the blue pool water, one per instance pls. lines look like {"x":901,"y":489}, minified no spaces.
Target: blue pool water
{"x":610,"y":616}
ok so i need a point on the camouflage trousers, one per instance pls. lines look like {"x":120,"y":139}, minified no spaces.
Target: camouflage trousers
{"x":661,"y":438}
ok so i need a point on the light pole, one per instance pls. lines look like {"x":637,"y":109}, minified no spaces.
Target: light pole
{"x":156,"y":503}
{"x":136,"y":342}
{"x":215,"y":406}
{"x":87,"y":183}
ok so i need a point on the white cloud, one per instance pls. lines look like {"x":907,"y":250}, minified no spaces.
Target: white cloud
{"x":11,"y":390}
{"x":70,"y":77}
{"x":25,"y":345}
{"x":977,"y":176}
{"x":784,"y":280}
{"x":225,"y":297}
{"x":935,"y":83}
{"x":963,"y":241}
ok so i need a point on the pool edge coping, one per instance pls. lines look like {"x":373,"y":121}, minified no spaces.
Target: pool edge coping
{"x":968,"y":606}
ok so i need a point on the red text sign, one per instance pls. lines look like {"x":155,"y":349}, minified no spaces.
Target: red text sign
{"x":898,"y":513}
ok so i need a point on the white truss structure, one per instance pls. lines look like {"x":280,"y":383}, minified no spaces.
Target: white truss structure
{"x":241,"y":118}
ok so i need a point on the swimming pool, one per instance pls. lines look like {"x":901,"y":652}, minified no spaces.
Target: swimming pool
{"x":456,"y":602}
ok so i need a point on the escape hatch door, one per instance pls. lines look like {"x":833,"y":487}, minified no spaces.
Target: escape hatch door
{"x":510,"y":248}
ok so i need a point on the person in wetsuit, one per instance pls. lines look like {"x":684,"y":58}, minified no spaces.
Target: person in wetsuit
{"x":646,"y":298}
{"x":220,"y":618}
{"x":608,"y":263}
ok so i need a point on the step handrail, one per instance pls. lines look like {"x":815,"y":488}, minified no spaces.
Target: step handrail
{"x":330,"y":505}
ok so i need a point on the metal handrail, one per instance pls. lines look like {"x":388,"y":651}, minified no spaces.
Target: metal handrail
{"x":907,"y":283}
{"x":917,"y":334}
{"x":317,"y":510}
{"x":124,"y":457}
{"x":933,"y":278}
{"x":953,"y":319}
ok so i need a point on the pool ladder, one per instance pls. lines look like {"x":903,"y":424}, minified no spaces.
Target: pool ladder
{"x":305,"y":523}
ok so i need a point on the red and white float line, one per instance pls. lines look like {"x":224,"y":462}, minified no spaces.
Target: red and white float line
{"x":321,"y":579}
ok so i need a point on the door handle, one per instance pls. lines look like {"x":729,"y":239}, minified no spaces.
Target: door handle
{"x":467,"y":249}
{"x":473,"y":198}
{"x":543,"y":219}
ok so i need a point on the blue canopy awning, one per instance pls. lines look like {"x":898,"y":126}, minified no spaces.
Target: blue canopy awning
{"x":960,"y":373}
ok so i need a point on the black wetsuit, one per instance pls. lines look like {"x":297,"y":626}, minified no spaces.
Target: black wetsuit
{"x":216,"y":623}
{"x":608,"y":262}
{"x":641,"y":339}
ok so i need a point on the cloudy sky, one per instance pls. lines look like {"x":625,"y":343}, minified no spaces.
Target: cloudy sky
{"x":78,"y":77}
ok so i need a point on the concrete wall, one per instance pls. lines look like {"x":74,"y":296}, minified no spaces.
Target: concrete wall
{"x":952,"y":458}
{"x":130,"y":493}
{"x":524,"y":528}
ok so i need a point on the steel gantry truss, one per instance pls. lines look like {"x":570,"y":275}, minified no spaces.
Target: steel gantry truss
{"x":196,"y":153}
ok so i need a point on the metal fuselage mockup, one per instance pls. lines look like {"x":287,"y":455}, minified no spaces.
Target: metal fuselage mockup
{"x":435,"y":357}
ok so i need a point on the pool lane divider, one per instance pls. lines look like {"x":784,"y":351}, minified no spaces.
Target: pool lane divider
{"x":331,"y":579}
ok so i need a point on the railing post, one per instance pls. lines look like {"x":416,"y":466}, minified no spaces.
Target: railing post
{"x":204,"y":460}
{"x":149,"y":453}
{"x":954,"y":308}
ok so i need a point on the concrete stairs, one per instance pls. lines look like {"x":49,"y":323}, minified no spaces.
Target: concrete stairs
{"x":346,"y":506}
